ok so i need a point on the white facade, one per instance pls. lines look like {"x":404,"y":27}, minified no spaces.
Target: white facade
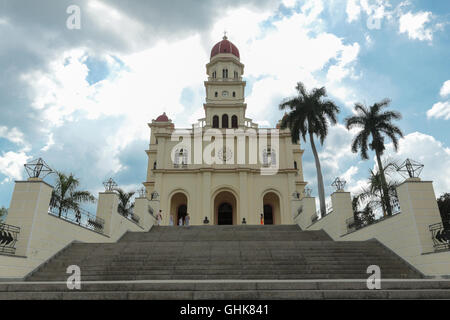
{"x":216,"y":169}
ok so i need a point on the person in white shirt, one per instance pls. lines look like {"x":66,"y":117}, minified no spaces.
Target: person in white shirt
{"x":159,"y":218}
{"x":186,"y":219}
{"x":171,"y":221}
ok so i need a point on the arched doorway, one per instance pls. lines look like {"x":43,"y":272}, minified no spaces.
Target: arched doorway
{"x":178,"y":207}
{"x":268,"y":214}
{"x":271,"y":208}
{"x":181,"y":213}
{"x":225,"y":208}
{"x":225,"y":214}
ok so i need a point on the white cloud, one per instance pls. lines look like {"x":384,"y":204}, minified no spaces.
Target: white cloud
{"x":415,"y":25}
{"x":353,"y":10}
{"x":431,"y":153}
{"x":445,"y":90}
{"x":11,"y":165}
{"x":440,"y":110}
{"x":289,"y":3}
{"x":14,"y":135}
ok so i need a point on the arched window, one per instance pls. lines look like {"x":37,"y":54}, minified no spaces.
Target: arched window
{"x":269,"y":157}
{"x":225,"y":121}
{"x":181,"y":157}
{"x":214,"y":74}
{"x":234,"y":121}
{"x":236,"y":75}
{"x":215,"y":122}
{"x":295,"y":165}
{"x":154,"y":165}
{"x":225,"y":73}
{"x":234,"y":94}
{"x":216,"y":94}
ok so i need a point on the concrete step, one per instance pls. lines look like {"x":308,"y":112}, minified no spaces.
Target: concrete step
{"x":225,"y":252}
{"x":229,"y":290}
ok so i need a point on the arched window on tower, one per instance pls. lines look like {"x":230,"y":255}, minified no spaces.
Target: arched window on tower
{"x":225,"y":73}
{"x":295,"y":165}
{"x":234,"y":94}
{"x":215,"y":122}
{"x":234,"y":121}
{"x":225,"y":121}
{"x":214,"y":74}
{"x":216,"y":94}
{"x":236,"y":75}
{"x":154,"y":165}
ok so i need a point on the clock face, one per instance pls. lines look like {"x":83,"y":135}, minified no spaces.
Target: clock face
{"x":225,"y":154}
{"x":224,"y":93}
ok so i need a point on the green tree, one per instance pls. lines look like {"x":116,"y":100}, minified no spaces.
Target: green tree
{"x":444,"y":208}
{"x":3,"y":213}
{"x":375,"y":124}
{"x":373,"y":194}
{"x":125,"y":206}
{"x":309,"y":115}
{"x":65,"y":195}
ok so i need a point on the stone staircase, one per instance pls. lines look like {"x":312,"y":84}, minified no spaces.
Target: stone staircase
{"x":226,"y":262}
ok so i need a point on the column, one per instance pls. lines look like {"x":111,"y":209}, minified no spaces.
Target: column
{"x":30,"y":201}
{"x":107,"y":207}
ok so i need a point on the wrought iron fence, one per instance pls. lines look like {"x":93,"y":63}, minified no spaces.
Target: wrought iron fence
{"x":81,"y":217}
{"x":131,"y":216}
{"x":8,"y":238}
{"x":440,"y":233}
{"x":328,"y":210}
{"x":354,"y":224}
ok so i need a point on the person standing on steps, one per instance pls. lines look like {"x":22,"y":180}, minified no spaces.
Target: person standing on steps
{"x":159,"y":218}
{"x":262,"y":218}
{"x":186,"y":219}
{"x":171,"y":221}
{"x":180,"y":221}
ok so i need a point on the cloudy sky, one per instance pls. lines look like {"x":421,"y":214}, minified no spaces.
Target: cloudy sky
{"x":81,"y":98}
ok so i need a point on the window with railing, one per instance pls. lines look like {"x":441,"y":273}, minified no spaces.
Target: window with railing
{"x":80,"y":217}
{"x":8,"y":238}
{"x":181,"y":158}
{"x":269,"y":157}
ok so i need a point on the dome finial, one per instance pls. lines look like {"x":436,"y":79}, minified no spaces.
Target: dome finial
{"x":225,"y":35}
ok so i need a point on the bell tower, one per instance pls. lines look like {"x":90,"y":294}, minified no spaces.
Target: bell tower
{"x":225,"y":106}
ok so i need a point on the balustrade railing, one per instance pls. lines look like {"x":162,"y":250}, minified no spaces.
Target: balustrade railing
{"x":440,"y":233}
{"x":81,"y":217}
{"x":8,"y":238}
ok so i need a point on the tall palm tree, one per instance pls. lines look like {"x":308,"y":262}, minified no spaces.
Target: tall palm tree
{"x":125,"y":206}
{"x":65,"y":195}
{"x":308,"y":114}
{"x":375,"y":124}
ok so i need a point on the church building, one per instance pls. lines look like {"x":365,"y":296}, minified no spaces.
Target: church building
{"x":224,"y":169}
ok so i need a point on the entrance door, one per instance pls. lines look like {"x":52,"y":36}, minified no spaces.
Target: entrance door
{"x":268,"y":214}
{"x":225,"y":214}
{"x":182,"y":210}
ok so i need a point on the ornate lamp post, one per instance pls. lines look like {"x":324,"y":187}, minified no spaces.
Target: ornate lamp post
{"x":109,"y":185}
{"x":339,"y":184}
{"x":37,"y":169}
{"x":410,"y":169}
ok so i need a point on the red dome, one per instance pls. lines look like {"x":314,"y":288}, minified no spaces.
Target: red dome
{"x":162,"y":118}
{"x":224,"y":46}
